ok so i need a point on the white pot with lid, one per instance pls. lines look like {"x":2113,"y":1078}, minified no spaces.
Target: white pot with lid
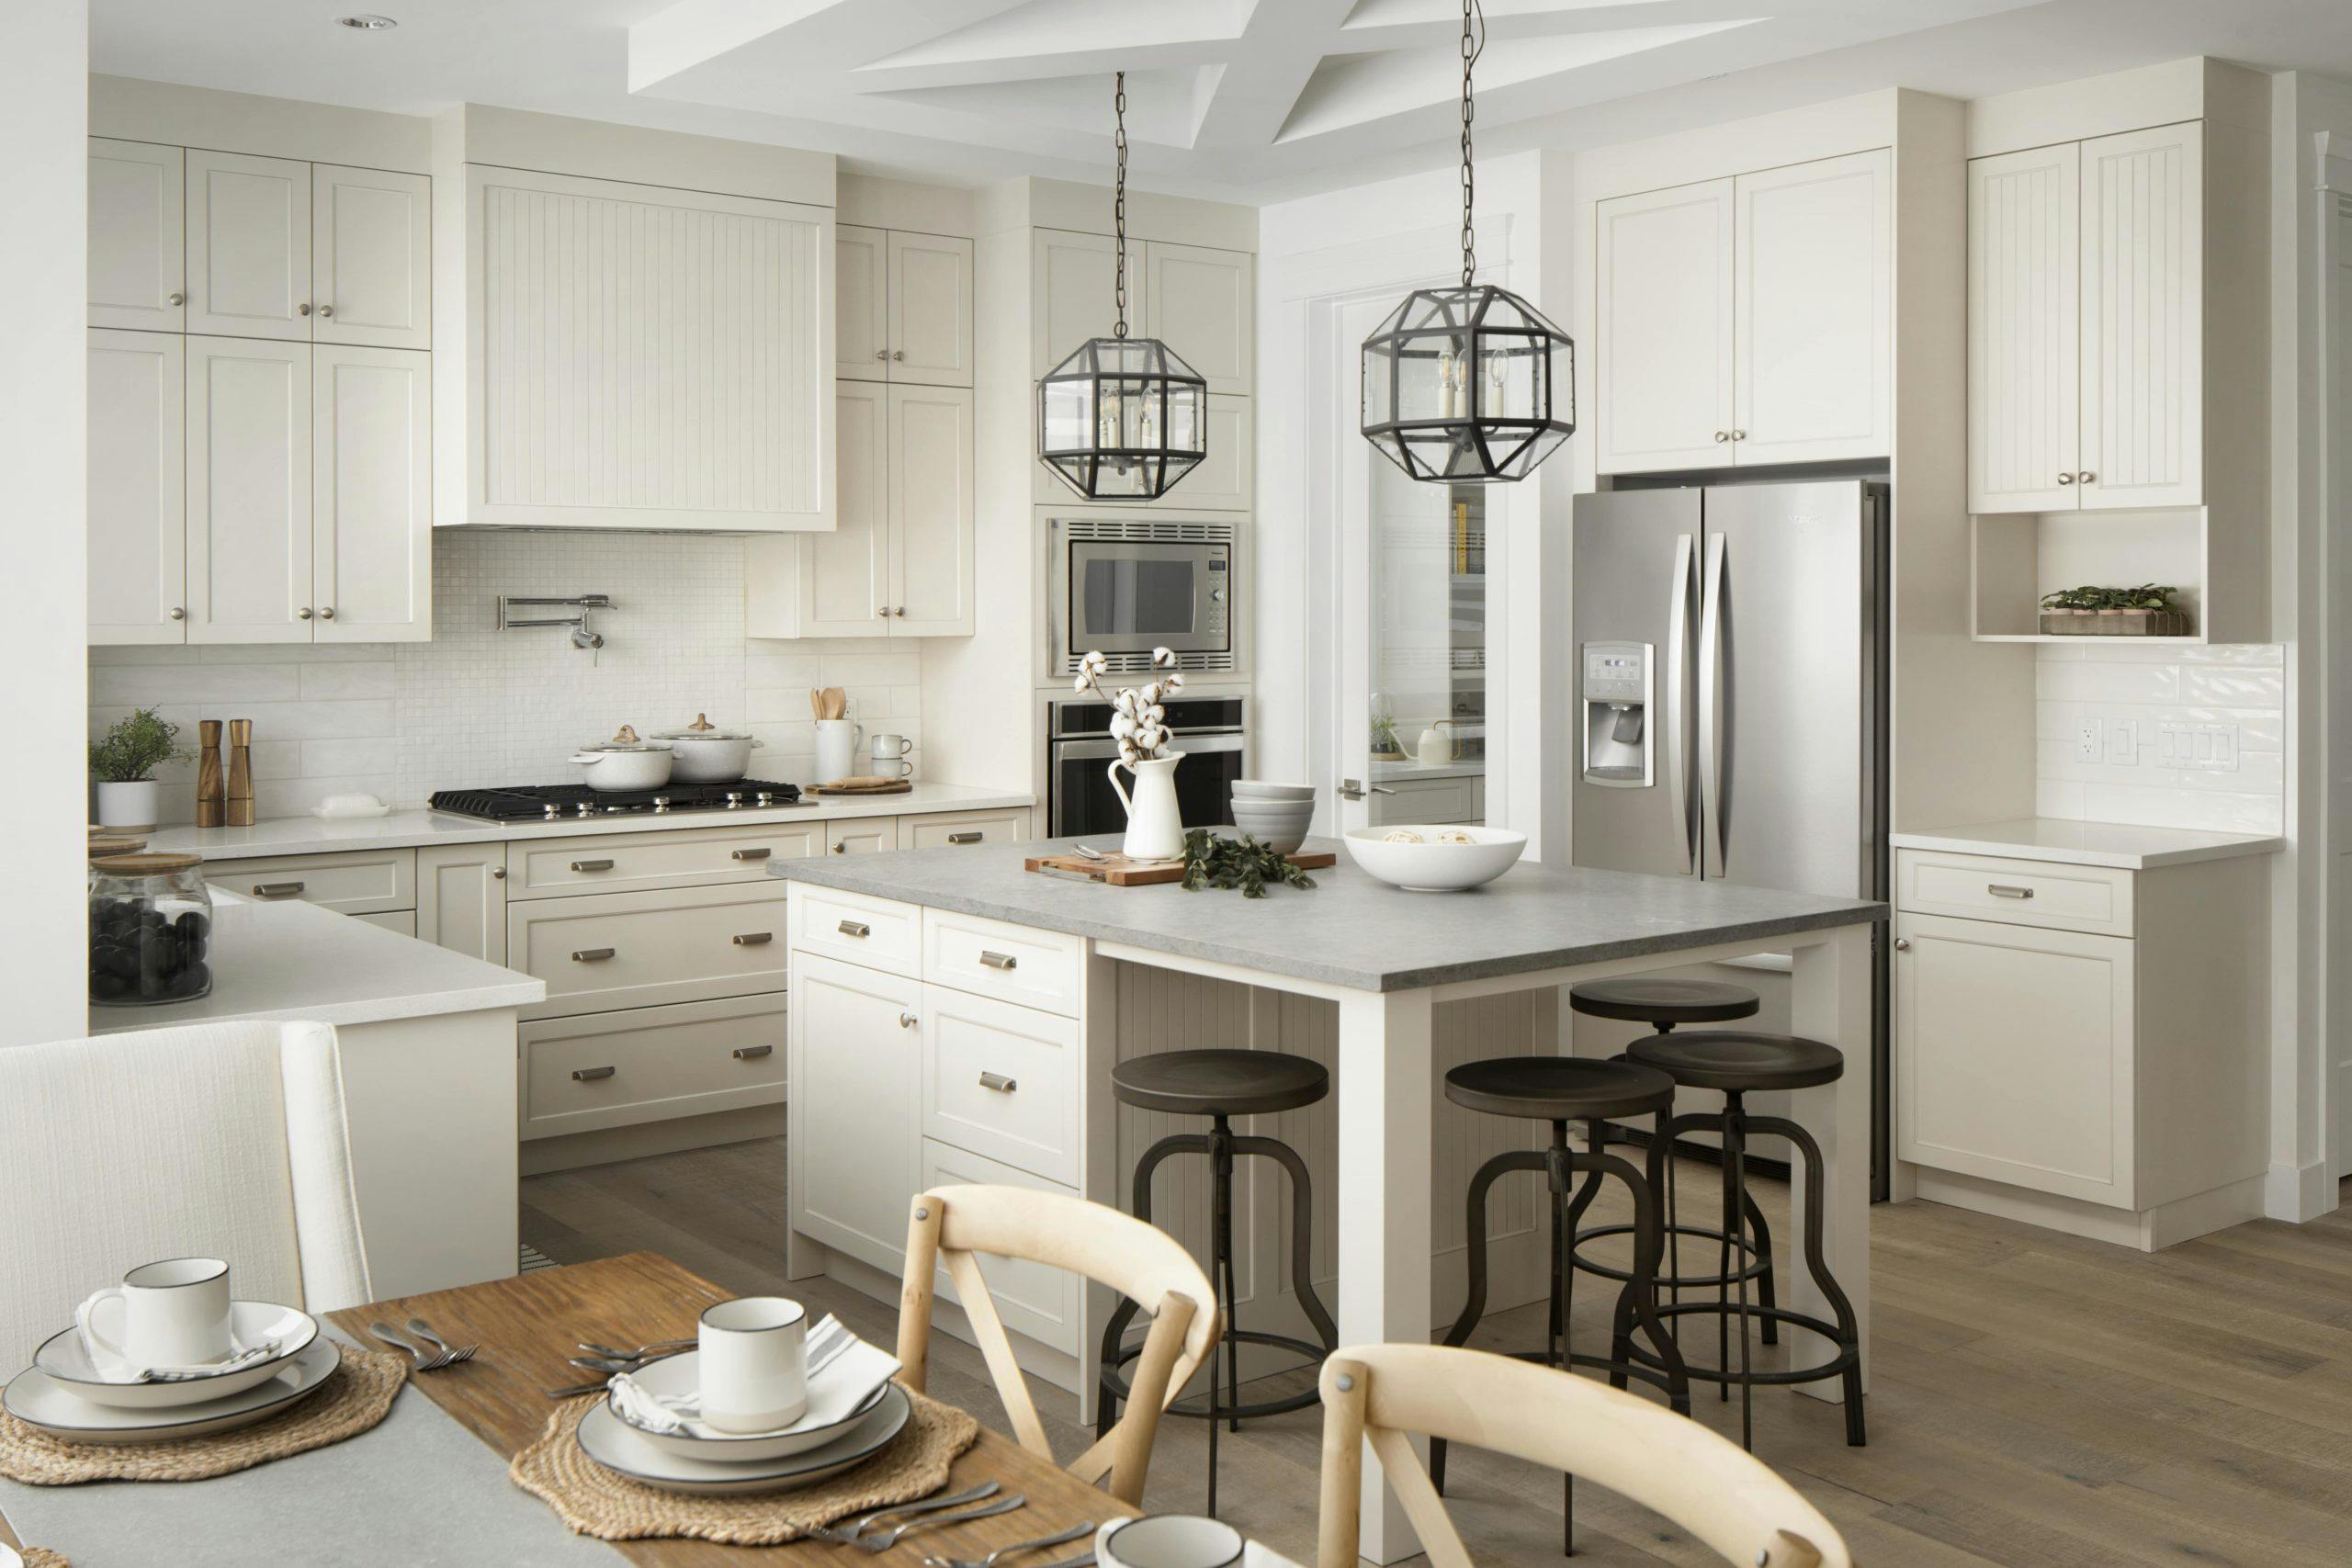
{"x":704,"y":753}
{"x":625,"y":763}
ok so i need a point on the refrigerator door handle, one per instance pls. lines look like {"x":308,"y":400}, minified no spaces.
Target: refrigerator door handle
{"x":1677,"y":659}
{"x":1711,"y":703}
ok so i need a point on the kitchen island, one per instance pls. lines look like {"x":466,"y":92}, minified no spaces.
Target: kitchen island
{"x":917,"y":974}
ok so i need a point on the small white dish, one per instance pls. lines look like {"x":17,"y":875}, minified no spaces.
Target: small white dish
{"x":337,"y":807}
{"x":8,"y":1558}
{"x":1168,"y":1541}
{"x":42,"y":1403}
{"x":623,"y":1450}
{"x":1424,"y":864}
{"x":832,"y":1410}
{"x":67,"y":1362}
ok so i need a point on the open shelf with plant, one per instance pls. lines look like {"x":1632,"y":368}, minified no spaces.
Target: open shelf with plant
{"x":2155,"y":576}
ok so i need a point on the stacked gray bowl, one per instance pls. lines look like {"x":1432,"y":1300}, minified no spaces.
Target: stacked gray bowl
{"x":1276,"y":814}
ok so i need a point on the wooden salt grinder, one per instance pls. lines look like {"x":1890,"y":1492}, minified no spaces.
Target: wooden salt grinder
{"x":211,"y":789}
{"x":239,"y":796}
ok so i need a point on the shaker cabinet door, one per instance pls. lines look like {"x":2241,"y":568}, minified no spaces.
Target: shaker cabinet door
{"x":930,"y":310}
{"x":248,"y":246}
{"x":371,"y":471}
{"x":931,"y":511}
{"x":1663,"y":359}
{"x":1201,"y":309}
{"x":2024,"y":344}
{"x":137,"y":511}
{"x":857,"y":1096}
{"x":370,"y":257}
{"x":844,"y":575}
{"x":461,"y":899}
{"x":1070,"y":283}
{"x":1814,"y":303}
{"x":861,"y":303}
{"x":138,"y":267}
{"x":249,"y":542}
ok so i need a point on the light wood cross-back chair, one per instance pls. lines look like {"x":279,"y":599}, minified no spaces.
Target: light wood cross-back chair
{"x":949,"y":1226}
{"x":1727,"y":1498}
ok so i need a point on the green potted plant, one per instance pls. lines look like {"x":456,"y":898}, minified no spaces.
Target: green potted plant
{"x":2090,"y":611}
{"x":125,"y":762}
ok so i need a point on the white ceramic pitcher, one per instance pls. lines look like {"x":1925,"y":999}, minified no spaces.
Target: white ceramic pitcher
{"x":1155,"y":827}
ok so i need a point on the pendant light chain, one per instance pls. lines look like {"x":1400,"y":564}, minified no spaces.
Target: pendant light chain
{"x":1119,"y":201}
{"x":1473,"y":45}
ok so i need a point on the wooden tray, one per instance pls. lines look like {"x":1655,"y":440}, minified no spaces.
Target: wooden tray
{"x":1120,"y":872}
{"x":896,"y":786}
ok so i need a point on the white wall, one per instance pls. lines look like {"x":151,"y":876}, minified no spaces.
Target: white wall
{"x":44,"y":64}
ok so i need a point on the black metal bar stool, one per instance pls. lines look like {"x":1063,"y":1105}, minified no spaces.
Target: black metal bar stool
{"x":1561,"y":1090}
{"x":1739,"y":1063}
{"x":1222,"y":1084}
{"x":1662,"y":1003}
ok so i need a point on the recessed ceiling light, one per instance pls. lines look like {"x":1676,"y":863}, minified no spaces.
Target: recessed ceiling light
{"x":367,"y":22}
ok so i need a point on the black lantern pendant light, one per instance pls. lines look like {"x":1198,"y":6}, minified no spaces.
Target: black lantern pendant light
{"x":1122,"y":419}
{"x":1468,"y":385}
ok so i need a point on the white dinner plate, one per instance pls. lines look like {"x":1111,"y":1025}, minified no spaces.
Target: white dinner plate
{"x":623,"y":1450}
{"x":825,"y":1420}
{"x":41,"y":1401}
{"x":64,"y":1359}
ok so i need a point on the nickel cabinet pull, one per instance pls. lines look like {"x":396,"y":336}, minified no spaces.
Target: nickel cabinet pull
{"x":907,"y":1021}
{"x":750,"y":854}
{"x":971,"y":838}
{"x":590,"y":1074}
{"x":856,"y":928}
{"x":277,"y":889}
{"x":753,"y":939}
{"x":591,"y":954}
{"x":2003,"y":890}
{"x":1003,"y":961}
{"x":998,"y":1082}
{"x":752,"y":1052}
{"x":592,"y":865}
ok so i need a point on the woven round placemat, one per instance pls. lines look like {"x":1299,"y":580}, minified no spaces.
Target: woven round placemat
{"x":36,"y":1557}
{"x":356,"y":1396}
{"x":594,"y":1502}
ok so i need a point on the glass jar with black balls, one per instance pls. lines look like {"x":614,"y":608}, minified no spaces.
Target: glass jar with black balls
{"x":150,"y":931}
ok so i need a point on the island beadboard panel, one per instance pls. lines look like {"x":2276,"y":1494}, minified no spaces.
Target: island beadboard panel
{"x":476,"y":705}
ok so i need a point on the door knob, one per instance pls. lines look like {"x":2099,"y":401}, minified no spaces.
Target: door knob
{"x":898,"y":610}
{"x":881,"y":354}
{"x":906,"y":1021}
{"x":326,"y":310}
{"x":303,"y":614}
{"x":2086,"y":477}
{"x":178,"y":299}
{"x":326,"y":612}
{"x":178,"y":613}
{"x":1723,"y":435}
{"x":2065,"y":478}
{"x":1903,"y":945}
{"x":897,"y":354}
{"x":303,"y":309}
{"x":1739,"y":435}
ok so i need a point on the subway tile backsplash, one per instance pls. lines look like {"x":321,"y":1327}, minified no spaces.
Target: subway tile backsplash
{"x":476,"y":705}
{"x":2185,"y":736}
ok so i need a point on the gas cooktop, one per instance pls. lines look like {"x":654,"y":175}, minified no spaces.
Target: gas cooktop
{"x":559,"y":803}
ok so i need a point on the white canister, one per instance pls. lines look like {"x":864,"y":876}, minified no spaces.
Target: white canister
{"x":174,"y":1313}
{"x":837,"y":741}
{"x":754,"y":1367}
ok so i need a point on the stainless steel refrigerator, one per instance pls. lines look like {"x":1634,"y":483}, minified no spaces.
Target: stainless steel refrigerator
{"x":1731,"y":693}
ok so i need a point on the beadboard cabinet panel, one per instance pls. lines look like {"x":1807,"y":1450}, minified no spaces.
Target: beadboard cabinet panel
{"x":1813,"y":308}
{"x":646,"y":358}
{"x":371,"y":474}
{"x":138,"y":267}
{"x":2024,"y":333}
{"x":1665,"y":356}
{"x":2143,"y":301}
{"x":137,"y":511}
{"x":930,"y":310}
{"x":370,"y":257}
{"x":249,"y":497}
{"x":861,"y":303}
{"x":248,"y":246}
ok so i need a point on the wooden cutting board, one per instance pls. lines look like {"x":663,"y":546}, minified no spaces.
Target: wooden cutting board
{"x":1120,"y":872}
{"x":866,"y":787}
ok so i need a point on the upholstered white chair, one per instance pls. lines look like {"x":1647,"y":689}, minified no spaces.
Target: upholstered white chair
{"x":217,"y":1140}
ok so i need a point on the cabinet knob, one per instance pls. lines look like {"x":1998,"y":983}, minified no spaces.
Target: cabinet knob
{"x":178,"y":613}
{"x":2065,"y":478}
{"x":326,"y":612}
{"x":841,"y":847}
{"x":1723,"y":435}
{"x":897,"y":354}
{"x":497,"y":874}
{"x":2086,"y":477}
{"x":1739,"y":435}
{"x":326,"y":310}
{"x":881,"y":354}
{"x":303,"y":309}
{"x":178,"y":298}
{"x":906,"y":1021}
{"x":1903,"y":945}
{"x":883,"y":611}
{"x":898,"y":610}
{"x":303,"y":614}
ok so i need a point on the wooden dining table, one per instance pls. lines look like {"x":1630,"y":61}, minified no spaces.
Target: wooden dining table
{"x":527,"y":1325}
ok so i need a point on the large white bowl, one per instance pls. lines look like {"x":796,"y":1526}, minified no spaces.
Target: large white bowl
{"x":1430,"y":866}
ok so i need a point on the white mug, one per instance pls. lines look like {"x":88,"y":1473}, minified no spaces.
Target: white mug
{"x":754,"y":1366}
{"x":174,"y":1313}
{"x":1167,"y":1541}
{"x":837,"y":747}
{"x":889,"y":756}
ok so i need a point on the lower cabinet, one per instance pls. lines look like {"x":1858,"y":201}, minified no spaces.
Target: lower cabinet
{"x":461,"y":899}
{"x":1031,"y":1298}
{"x":400,"y":923}
{"x":1001,"y":1080}
{"x":945,"y":828}
{"x":370,"y":882}
{"x":615,"y":1069}
{"x":604,"y":951}
{"x":861,"y":836}
{"x":856,"y":1082}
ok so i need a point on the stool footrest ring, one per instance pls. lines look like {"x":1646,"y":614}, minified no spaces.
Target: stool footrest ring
{"x":1754,"y":1271}
{"x":1197,"y":1406}
{"x":1843,"y":1361}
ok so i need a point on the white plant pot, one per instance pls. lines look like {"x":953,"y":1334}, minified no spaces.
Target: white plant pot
{"x":130,"y":805}
{"x":1155,"y":827}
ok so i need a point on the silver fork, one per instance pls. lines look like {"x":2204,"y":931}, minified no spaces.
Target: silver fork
{"x":1062,"y":1537}
{"x":879,"y":1544}
{"x":451,"y":1354}
{"x":642,"y":1353}
{"x":844,"y":1531}
{"x":425,"y":1362}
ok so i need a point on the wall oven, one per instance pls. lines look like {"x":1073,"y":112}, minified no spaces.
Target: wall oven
{"x":1123,"y":586}
{"x":1080,"y":750}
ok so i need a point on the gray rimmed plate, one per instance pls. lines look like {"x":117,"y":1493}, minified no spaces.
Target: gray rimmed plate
{"x":67,"y":1362}
{"x":826,"y":1420}
{"x":41,"y":1402}
{"x":623,"y":1450}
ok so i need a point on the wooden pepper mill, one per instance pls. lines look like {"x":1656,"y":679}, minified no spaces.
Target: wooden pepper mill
{"x":239,"y":796}
{"x":211,"y":788}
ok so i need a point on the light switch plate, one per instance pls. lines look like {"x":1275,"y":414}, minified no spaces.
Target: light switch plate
{"x":2123,"y":742}
{"x":2198,"y":748}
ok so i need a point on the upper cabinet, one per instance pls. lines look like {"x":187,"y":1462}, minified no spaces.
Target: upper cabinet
{"x":137,"y":275}
{"x":861,"y":302}
{"x":1199,"y":304}
{"x":902,"y":307}
{"x":138,"y":579}
{"x":1071,"y":282}
{"x":248,"y":246}
{"x":714,"y":408}
{"x":2085,"y":292}
{"x":1748,"y":321}
{"x":371,"y":276}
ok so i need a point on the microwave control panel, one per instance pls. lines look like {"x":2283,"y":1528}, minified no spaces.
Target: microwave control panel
{"x":1216,"y":601}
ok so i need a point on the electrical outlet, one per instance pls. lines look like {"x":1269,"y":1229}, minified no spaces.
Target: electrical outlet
{"x":2088,"y":739}
{"x":2123,"y":742}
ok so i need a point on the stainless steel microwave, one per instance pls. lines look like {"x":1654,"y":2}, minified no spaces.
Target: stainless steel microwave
{"x":1124,"y":586}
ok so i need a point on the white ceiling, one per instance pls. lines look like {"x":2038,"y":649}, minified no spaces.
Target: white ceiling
{"x":1251,"y":100}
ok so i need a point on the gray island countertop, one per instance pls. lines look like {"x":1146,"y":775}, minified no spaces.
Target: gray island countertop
{"x":1350,"y":930}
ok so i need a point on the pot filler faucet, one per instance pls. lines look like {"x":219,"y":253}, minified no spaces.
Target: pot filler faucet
{"x":581,"y":635}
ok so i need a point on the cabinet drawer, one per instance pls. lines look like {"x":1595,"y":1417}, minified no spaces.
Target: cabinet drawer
{"x":879,"y":933}
{"x":2093,"y":898}
{"x":626,"y":863}
{"x":1031,"y":1298}
{"x":400,"y":923}
{"x":1013,"y":964}
{"x":367,"y":883}
{"x":963,"y":828}
{"x":650,"y":1065}
{"x":634,"y":950}
{"x":861,"y":836}
{"x":1001,"y":1081}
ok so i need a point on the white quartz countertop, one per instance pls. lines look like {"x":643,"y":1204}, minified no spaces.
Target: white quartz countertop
{"x":403,"y":829}
{"x":2089,"y":844}
{"x":297,"y":961}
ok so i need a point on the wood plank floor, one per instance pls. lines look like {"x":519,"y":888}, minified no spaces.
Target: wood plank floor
{"x":2038,"y":1399}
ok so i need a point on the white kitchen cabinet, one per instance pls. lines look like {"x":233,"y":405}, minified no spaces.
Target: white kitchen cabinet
{"x":2024,"y":331}
{"x":249,"y":496}
{"x":604,"y":951}
{"x":1812,"y":311}
{"x":1070,"y":293}
{"x":715,"y":412}
{"x":857,"y":1051}
{"x":370,"y":257}
{"x":1201,"y":306}
{"x":1031,"y":1298}
{"x":371,"y":510}
{"x":461,"y":899}
{"x":861,"y":302}
{"x":138,"y":267}
{"x":359,"y":882}
{"x":138,"y":516}
{"x":1663,"y":362}
{"x":657,"y":1063}
{"x":942,"y":829}
{"x":932,"y":508}
{"x":248,"y":222}
{"x":861,"y":836}
{"x":1001,"y":1080}
{"x":2143,"y":311}
{"x":930,"y":310}
{"x":1224,"y":480}
{"x":844,"y":577}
